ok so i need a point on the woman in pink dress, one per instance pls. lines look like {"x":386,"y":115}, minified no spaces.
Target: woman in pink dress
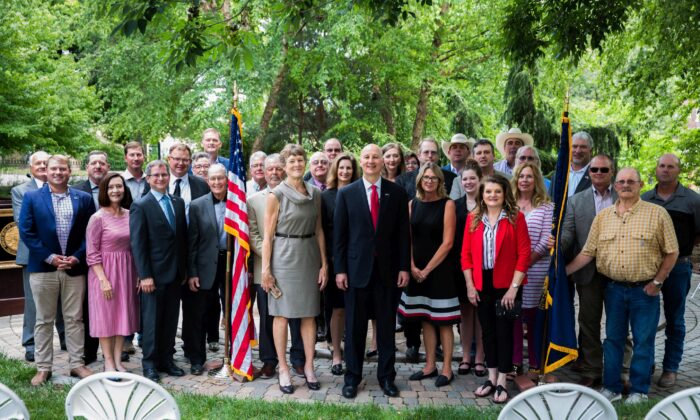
{"x":114,"y":311}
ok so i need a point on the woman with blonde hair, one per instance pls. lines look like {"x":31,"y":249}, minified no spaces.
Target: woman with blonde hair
{"x":534,"y":203}
{"x":393,"y":161}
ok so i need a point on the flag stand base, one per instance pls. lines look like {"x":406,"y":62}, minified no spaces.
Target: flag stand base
{"x":224,"y":372}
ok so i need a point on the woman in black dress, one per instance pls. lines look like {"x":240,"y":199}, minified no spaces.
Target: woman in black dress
{"x":431,"y":295}
{"x":343,"y":171}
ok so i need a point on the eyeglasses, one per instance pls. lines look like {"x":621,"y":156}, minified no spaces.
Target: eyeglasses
{"x":430,"y":178}
{"x":338,"y":150}
{"x":626,"y":182}
{"x":159,"y":175}
{"x":319,"y":162}
{"x":602,"y":170}
{"x":205,"y":166}
{"x":527,"y":158}
{"x":180,"y":160}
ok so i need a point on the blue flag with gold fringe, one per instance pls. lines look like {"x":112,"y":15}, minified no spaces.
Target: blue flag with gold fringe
{"x":556,"y":329}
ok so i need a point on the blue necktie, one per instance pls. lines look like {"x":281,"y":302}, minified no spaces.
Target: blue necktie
{"x":168,"y":211}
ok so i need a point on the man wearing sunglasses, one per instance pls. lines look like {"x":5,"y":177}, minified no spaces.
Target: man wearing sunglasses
{"x":635,"y":248}
{"x":580,"y":212}
{"x":683,"y":205}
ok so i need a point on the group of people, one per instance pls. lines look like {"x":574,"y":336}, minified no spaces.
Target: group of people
{"x":389,"y":237}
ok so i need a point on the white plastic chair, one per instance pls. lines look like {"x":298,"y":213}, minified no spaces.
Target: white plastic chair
{"x":120,"y":396}
{"x":559,"y":401}
{"x":681,"y":405}
{"x":11,"y":406}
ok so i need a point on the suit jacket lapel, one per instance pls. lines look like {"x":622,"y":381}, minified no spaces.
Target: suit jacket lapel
{"x":159,"y":209}
{"x":362,"y":197}
{"x":75,"y":201}
{"x":212,"y":214}
{"x":383,"y":204}
{"x":500,"y":235}
{"x":46,"y":195}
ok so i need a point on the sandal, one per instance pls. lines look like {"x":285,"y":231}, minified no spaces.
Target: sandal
{"x":487,"y":385}
{"x":464,"y":370}
{"x":480,"y":372}
{"x":500,"y":390}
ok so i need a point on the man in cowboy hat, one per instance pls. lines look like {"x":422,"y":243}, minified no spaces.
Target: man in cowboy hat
{"x":457,"y":150}
{"x":508,"y":144}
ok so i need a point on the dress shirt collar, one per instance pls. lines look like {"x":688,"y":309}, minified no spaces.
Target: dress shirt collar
{"x":608,"y":191}
{"x":184,"y":181}
{"x":39,"y":183}
{"x":368,"y":184}
{"x":157,"y":194}
{"x":580,"y":171}
{"x":128,"y":175}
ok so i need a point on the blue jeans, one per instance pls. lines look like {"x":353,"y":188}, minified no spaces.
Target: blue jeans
{"x":675,"y":290}
{"x":625,"y":307}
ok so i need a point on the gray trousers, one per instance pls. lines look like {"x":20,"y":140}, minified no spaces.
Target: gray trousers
{"x":29,"y":320}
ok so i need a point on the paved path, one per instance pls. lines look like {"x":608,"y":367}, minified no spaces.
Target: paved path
{"x":460,"y":392}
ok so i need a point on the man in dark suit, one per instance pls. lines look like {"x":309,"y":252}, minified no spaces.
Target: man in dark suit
{"x":580,"y":212}
{"x":52,"y":224}
{"x":97,"y":167}
{"x":427,"y":152}
{"x":206,"y":264}
{"x":37,"y":170}
{"x":159,"y":245}
{"x":372,"y":262}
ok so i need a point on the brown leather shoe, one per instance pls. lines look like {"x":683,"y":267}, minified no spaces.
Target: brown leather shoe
{"x":667,"y":379}
{"x":589,"y":382}
{"x":41,"y":377}
{"x":267,"y":371}
{"x":626,"y":387}
{"x":80,"y":372}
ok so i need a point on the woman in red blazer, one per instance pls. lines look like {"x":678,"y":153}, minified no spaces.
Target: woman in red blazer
{"x":495,"y":258}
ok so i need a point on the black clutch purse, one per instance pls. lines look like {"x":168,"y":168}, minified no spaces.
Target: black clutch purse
{"x":514,"y":313}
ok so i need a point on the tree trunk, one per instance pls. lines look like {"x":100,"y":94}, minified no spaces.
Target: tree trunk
{"x":386,"y":109}
{"x":301,"y":119}
{"x":272,"y":98}
{"x":424,"y":92}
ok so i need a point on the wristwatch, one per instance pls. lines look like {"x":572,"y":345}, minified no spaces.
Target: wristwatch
{"x":514,"y":286}
{"x":657,"y":284}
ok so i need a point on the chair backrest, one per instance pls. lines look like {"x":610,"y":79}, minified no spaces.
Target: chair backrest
{"x":559,"y":401}
{"x":681,"y":405}
{"x":11,"y":406}
{"x":120,"y":396}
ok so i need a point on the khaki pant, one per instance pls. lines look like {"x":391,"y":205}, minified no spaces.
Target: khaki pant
{"x":46,"y":288}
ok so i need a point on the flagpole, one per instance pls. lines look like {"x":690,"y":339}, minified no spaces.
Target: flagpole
{"x":545,"y":336}
{"x":225,"y":372}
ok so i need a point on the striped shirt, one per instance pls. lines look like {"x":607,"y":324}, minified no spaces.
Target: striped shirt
{"x":490,"y":239}
{"x":631,"y":246}
{"x":539,"y":226}
{"x":63,"y":209}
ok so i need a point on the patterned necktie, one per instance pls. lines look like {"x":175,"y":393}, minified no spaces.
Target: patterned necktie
{"x":176,"y":193}
{"x":168,"y":211}
{"x":374,"y":207}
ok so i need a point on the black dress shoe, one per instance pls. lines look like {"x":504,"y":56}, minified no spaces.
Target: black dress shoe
{"x":412,"y":355}
{"x":298,"y":370}
{"x":443,"y":380}
{"x":390,"y":390}
{"x":349,"y":391}
{"x":125,"y":356}
{"x":151,"y":374}
{"x":337,"y":370}
{"x":29,"y":356}
{"x":418,"y":376}
{"x":314,"y":386}
{"x":371,"y":353}
{"x":171,"y":369}
{"x":197,"y":369}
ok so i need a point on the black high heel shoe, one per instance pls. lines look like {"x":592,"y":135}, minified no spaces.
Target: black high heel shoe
{"x":286,"y":389}
{"x":314,"y":386}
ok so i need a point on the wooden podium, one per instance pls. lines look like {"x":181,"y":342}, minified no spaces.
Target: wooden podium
{"x":11,"y":289}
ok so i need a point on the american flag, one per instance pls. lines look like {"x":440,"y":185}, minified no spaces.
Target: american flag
{"x":236,"y":223}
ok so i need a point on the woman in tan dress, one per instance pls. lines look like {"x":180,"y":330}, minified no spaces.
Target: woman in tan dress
{"x":294,"y":261}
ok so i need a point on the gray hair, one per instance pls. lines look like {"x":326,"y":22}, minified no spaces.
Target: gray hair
{"x":199,"y":155}
{"x":35,"y":155}
{"x":217,"y":167}
{"x":255,"y":156}
{"x":154,"y":163}
{"x":583,"y":136}
{"x":523,"y":149}
{"x":636,"y":171}
{"x":273,"y":158}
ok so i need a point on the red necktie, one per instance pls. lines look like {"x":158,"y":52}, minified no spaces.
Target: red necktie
{"x":374,"y":206}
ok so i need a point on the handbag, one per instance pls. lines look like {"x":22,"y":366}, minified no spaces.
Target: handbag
{"x":514,"y":313}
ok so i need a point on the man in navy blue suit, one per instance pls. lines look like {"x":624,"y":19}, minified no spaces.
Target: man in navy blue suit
{"x":372,"y":261}
{"x":52,"y":224}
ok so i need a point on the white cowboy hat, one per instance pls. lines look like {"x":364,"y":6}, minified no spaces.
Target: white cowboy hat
{"x":458,"y":138}
{"x":513,"y":133}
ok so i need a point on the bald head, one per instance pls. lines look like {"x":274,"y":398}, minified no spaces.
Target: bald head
{"x":371,"y":162}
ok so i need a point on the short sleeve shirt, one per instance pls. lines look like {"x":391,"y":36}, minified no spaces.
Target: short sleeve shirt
{"x":631,"y":246}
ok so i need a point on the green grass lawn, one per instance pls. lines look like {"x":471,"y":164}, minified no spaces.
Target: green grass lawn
{"x":47,"y":402}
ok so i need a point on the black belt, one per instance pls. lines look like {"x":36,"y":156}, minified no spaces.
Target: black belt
{"x":630,"y":284}
{"x":222,"y":252}
{"x":685,"y":259}
{"x":284,"y":235}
